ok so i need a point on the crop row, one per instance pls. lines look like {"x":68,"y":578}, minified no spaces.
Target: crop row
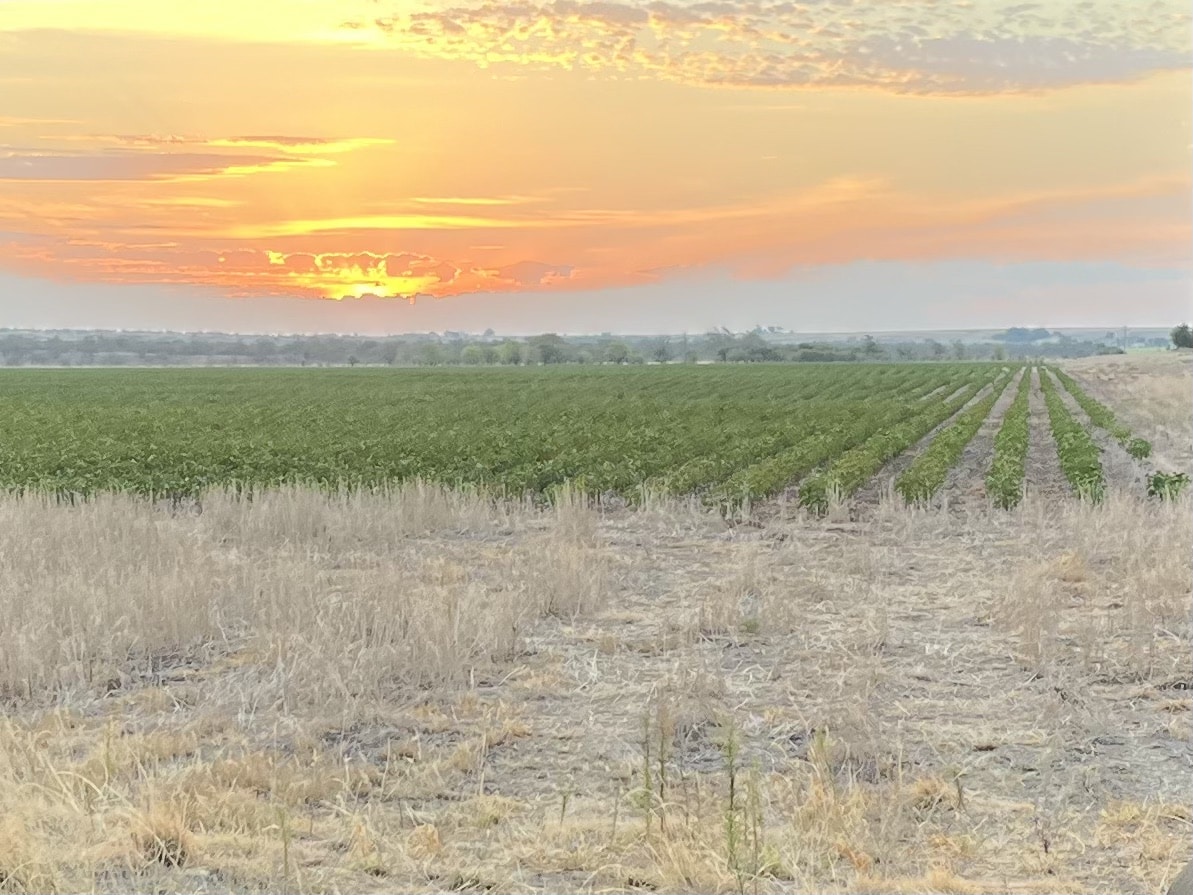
{"x":848,"y":472}
{"x":1103,"y":417}
{"x":1079,"y":456}
{"x":821,"y":444}
{"x":928,"y":471}
{"x":1004,"y":483}
{"x":827,"y":410}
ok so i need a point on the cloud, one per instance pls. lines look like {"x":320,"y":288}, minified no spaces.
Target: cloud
{"x":533,"y":273}
{"x":407,"y":274}
{"x":905,"y":46}
{"x":114,"y":165}
{"x":977,"y":64}
{"x":245,"y":271}
{"x":153,"y":140}
{"x":17,"y":121}
{"x":842,"y":220}
{"x":415,"y":221}
{"x":302,"y":145}
{"x":476,"y":200}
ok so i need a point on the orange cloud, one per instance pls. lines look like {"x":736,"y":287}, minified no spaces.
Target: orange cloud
{"x":369,"y":222}
{"x":301,"y":145}
{"x":837,"y":222}
{"x":115,"y":166}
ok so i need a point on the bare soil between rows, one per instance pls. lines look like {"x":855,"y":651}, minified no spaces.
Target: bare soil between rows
{"x":882,"y":486}
{"x":1043,"y":475}
{"x":1119,"y":468}
{"x":965,"y":485}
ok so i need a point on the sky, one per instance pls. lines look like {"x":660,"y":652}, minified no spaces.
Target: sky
{"x":389,"y":166}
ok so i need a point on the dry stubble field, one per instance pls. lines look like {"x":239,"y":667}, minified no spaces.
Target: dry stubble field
{"x":429,"y":692}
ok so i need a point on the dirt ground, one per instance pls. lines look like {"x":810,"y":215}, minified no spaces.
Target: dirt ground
{"x":435,"y":694}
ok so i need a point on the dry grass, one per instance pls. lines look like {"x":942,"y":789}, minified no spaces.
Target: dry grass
{"x":1152,"y":393}
{"x":426,"y":691}
{"x":330,"y":600}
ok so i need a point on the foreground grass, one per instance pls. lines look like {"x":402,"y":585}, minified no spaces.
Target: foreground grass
{"x":426,"y":691}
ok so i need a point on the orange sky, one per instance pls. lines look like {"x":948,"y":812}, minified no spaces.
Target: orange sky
{"x":332,"y":150}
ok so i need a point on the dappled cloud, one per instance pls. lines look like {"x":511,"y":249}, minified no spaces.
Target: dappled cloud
{"x":904,"y":46}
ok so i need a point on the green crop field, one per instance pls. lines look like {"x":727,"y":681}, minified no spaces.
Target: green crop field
{"x":725,"y":432}
{"x":680,"y":428}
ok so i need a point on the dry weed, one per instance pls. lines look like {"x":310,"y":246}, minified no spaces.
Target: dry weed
{"x":335,"y":595}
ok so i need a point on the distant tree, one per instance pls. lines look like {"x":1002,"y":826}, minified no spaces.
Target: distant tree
{"x":1000,"y":352}
{"x":752,"y":348}
{"x":1022,"y":334}
{"x":453,"y":351}
{"x":353,"y":360}
{"x":489,"y":354}
{"x":511,"y":353}
{"x":719,"y":342}
{"x":430,"y":354}
{"x":905,"y":352}
{"x":617,"y":352}
{"x":550,"y":348}
{"x":937,"y":349}
{"x":1182,"y":336}
{"x":870,"y":347}
{"x":471,"y":355}
{"x":958,"y":349}
{"x":660,"y":350}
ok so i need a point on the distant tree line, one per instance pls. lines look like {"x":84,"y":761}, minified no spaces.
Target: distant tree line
{"x":101,"y":348}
